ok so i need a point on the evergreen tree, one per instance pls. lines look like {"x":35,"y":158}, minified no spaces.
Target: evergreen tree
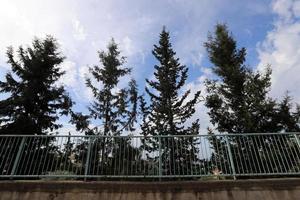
{"x":238,"y":102}
{"x":35,"y":101}
{"x":34,"y":104}
{"x":113,"y":107}
{"x":168,"y":112}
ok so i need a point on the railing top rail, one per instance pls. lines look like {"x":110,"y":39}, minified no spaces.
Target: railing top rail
{"x":157,"y":136}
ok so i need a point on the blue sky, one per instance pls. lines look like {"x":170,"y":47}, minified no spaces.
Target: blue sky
{"x":269,"y":29}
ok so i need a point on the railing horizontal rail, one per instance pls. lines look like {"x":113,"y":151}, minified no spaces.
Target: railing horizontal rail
{"x":155,"y":136}
{"x":136,"y":156}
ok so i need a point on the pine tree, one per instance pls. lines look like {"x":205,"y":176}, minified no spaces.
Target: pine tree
{"x":35,"y":101}
{"x":238,"y":102}
{"x":113,"y":107}
{"x":168,"y":111}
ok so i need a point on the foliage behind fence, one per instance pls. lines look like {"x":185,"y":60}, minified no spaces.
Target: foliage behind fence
{"x":79,"y":157}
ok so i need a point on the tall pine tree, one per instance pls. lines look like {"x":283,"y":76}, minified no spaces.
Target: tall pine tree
{"x":34,"y":104}
{"x":113,"y":109}
{"x":238,"y":102}
{"x":168,"y":112}
{"x":35,"y":101}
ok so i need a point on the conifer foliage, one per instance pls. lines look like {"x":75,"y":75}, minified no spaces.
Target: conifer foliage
{"x":113,"y":110}
{"x":34,"y":100}
{"x":168,"y":110}
{"x":113,"y":107}
{"x":238,"y":102}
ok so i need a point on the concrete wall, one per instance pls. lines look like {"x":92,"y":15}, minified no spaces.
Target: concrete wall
{"x":271,"y":189}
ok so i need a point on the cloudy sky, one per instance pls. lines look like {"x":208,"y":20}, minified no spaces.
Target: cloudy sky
{"x":269,"y":29}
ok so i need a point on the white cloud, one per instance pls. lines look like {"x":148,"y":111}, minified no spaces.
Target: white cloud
{"x":127,"y":46}
{"x":283,"y":8}
{"x":84,"y":27}
{"x":82,"y":93}
{"x":281,"y":49}
{"x":79,"y":32}
{"x":69,"y":78}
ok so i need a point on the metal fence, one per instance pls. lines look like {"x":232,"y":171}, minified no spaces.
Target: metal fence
{"x":178,"y":157}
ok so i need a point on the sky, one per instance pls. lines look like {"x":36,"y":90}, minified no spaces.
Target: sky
{"x":269,"y":29}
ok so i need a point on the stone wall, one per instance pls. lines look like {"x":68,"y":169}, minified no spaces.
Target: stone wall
{"x":267,"y":189}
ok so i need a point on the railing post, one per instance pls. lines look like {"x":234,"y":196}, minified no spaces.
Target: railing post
{"x":87,"y":162}
{"x":230,"y":157}
{"x":17,"y":160}
{"x":159,"y":159}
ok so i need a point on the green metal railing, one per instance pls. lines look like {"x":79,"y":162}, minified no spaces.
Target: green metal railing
{"x":104,"y":157}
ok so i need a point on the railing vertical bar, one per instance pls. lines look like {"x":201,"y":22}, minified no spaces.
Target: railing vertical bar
{"x":265,"y":157}
{"x":124,"y":157}
{"x":220,"y":152}
{"x":229,"y":169}
{"x":254,"y":154}
{"x":79,"y":157}
{"x":95,"y":159}
{"x":143,"y":154}
{"x":200,"y":156}
{"x":87,"y":163}
{"x":29,"y":154}
{"x":159,"y":159}
{"x":136,"y":156}
{"x":206,"y":163}
{"x":275,"y":157}
{"x":186,"y":153}
{"x":197,"y":156}
{"x":69,"y":155}
{"x":224,"y":155}
{"x":127,"y":161}
{"x":119,"y":156}
{"x":97,"y":150}
{"x":34,"y":152}
{"x":173,"y":150}
{"x":191,"y":152}
{"x":13,"y":171}
{"x":216,"y":148}
{"x":292,"y":151}
{"x":177,"y":154}
{"x":216,"y":160}
{"x":230,"y":158}
{"x":169,"y":171}
{"x":253,"y":151}
{"x":73,"y":157}
{"x":285,"y":151}
{"x":220,"y":159}
{"x":297,"y":146}
{"x":37,"y":160}
{"x":83,"y":156}
{"x":54,"y":158}
{"x":24,"y":156}
{"x":239,"y":155}
{"x":46,"y":156}
{"x":64,"y":161}
{"x":5,"y":154}
{"x":11,"y":153}
{"x":281,"y":157}
{"x":297,"y":141}
{"x":43,"y":159}
{"x":245,"y":154}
